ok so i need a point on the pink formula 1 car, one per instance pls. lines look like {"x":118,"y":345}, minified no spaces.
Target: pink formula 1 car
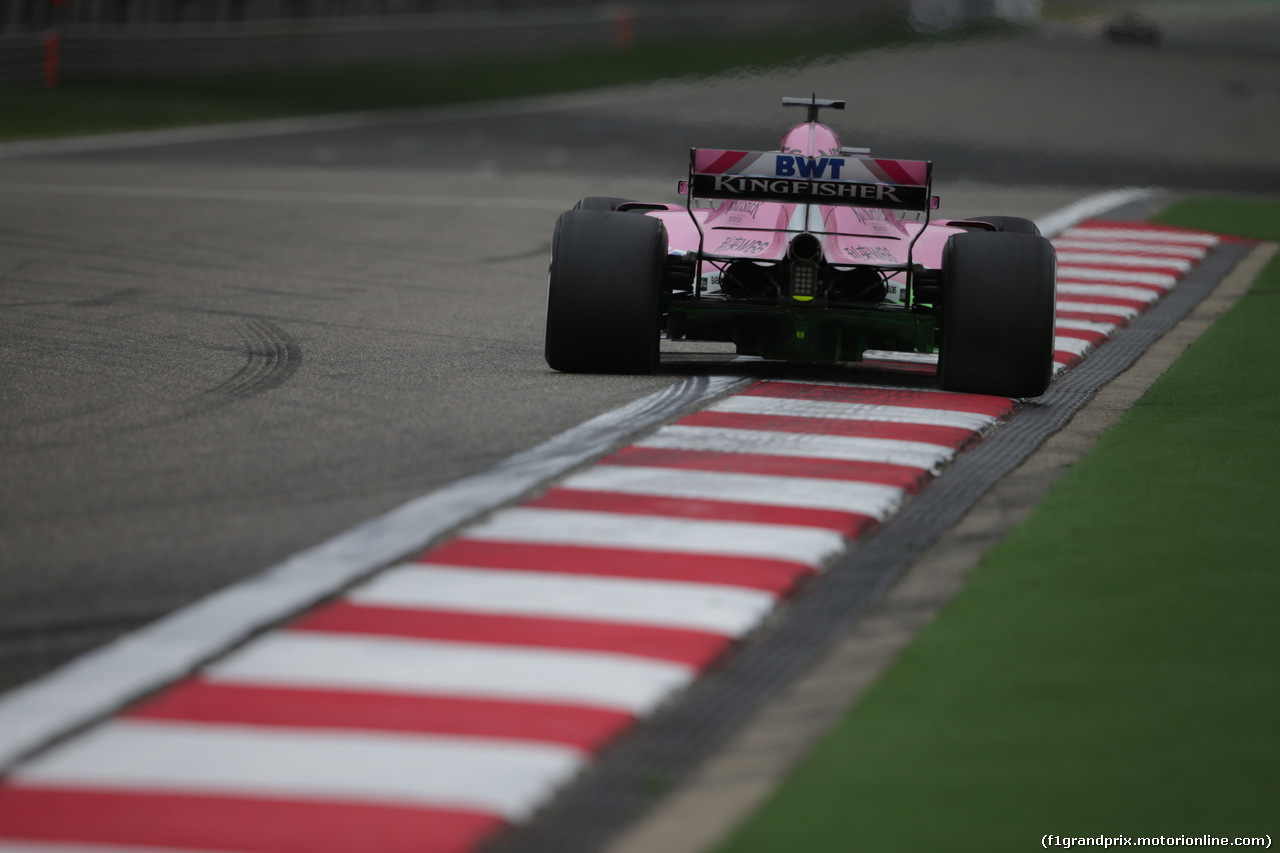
{"x":804,"y":254}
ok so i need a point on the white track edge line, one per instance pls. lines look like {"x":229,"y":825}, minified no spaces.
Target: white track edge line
{"x":1052,"y":224}
{"x":106,"y":678}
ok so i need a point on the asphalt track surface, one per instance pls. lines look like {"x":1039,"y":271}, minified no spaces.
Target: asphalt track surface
{"x":214,"y":355}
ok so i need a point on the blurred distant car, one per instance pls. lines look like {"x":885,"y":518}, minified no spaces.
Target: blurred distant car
{"x":1132,"y":29}
{"x":804,"y":254}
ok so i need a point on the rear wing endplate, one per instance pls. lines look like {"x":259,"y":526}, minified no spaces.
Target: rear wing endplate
{"x":796,"y":179}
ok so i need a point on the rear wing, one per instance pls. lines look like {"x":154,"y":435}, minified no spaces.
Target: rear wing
{"x":795,"y":178}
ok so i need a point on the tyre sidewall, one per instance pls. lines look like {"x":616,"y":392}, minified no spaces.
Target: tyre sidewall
{"x":604,"y":289}
{"x":998,"y":314}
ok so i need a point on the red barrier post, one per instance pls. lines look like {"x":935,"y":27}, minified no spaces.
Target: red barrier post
{"x":52,"y":45}
{"x":51,"y":49}
{"x":624,"y":27}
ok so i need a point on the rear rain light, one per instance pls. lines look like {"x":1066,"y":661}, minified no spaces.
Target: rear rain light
{"x":804,"y":282}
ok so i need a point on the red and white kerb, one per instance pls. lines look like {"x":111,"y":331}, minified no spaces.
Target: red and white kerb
{"x":454,"y":694}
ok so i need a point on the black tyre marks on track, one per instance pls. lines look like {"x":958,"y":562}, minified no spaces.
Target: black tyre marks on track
{"x":272,"y":356}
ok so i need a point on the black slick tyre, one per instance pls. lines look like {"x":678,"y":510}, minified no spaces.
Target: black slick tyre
{"x":603,"y":302}
{"x":1009,"y":224}
{"x":998,"y":306}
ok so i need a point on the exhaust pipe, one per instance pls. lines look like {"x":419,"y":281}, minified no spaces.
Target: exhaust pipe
{"x":805,"y":249}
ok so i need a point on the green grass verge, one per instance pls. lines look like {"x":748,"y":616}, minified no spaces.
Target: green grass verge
{"x":100,"y":107}
{"x":1111,"y":668}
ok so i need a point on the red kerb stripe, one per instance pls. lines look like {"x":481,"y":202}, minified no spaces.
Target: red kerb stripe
{"x":946,"y":436}
{"x":776,"y":576}
{"x":209,"y":822}
{"x":1067,"y":278}
{"x":1137,"y":226}
{"x":1120,"y":320}
{"x":1070,"y":359}
{"x":1094,"y":299}
{"x":1103,"y":266}
{"x":696,"y":648}
{"x":905,"y":477}
{"x":849,"y":524}
{"x":200,"y":701}
{"x":941,"y":400}
{"x":1154,"y":251}
{"x":1092,"y":336}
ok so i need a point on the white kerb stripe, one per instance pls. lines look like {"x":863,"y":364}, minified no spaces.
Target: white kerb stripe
{"x":925,"y":391}
{"x":1126,"y":311}
{"x":1086,"y":290}
{"x":1086,"y":325}
{"x":1078,"y":346}
{"x":747,"y":404}
{"x":872,"y":499}
{"x":808,"y":545}
{"x":424,"y":667}
{"x":1178,"y":264}
{"x":892,"y":355}
{"x":509,"y":778}
{"x":1074,"y":273}
{"x":1133,"y":247}
{"x":915,"y":454}
{"x":669,"y":604}
{"x":1141,"y":234}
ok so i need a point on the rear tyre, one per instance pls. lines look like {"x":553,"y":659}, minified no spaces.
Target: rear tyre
{"x":600,"y":202}
{"x":999,"y":294}
{"x":1009,"y":224}
{"x":603,"y":299}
